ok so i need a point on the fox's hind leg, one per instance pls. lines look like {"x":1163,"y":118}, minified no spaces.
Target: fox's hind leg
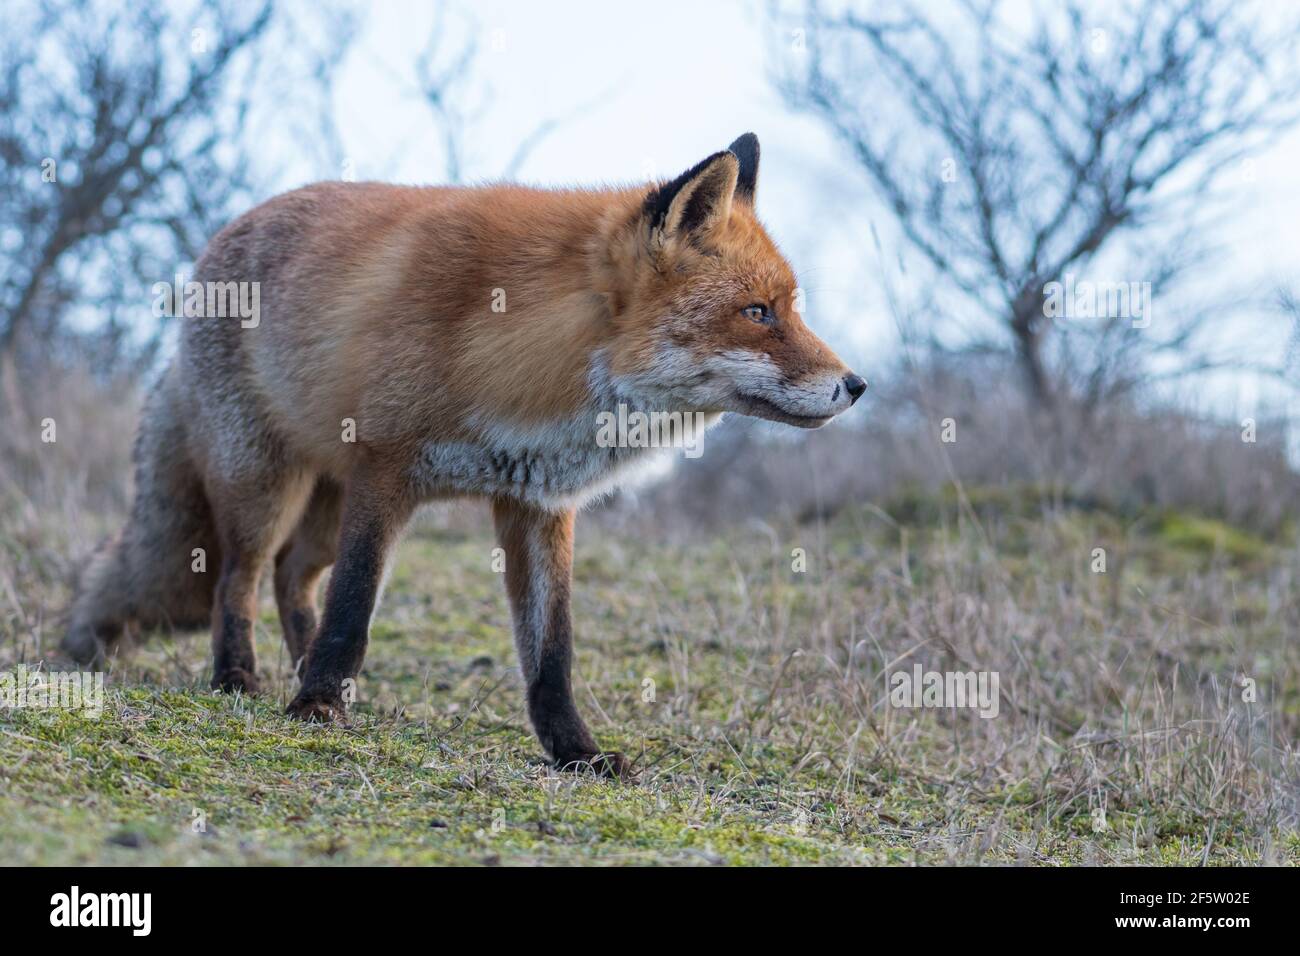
{"x":252,"y":516}
{"x":301,"y":562}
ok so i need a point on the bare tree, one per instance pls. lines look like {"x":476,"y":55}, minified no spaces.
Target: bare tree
{"x":1013,"y":155}
{"x":123,"y":147}
{"x":446,"y":80}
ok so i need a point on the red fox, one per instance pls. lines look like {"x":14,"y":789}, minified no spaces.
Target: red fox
{"x":421,"y":343}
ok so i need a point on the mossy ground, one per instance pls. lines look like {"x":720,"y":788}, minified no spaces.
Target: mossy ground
{"x":752,"y":696}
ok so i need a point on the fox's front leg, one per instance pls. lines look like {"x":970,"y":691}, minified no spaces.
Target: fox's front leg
{"x":376,"y":505}
{"x":538,"y":549}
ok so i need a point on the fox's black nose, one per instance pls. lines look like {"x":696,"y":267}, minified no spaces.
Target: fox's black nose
{"x":856,"y":385}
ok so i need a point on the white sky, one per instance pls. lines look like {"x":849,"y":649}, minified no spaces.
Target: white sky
{"x":649,"y":89}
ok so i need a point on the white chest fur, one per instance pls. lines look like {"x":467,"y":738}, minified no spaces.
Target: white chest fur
{"x":564,"y":463}
{"x":557,"y":465}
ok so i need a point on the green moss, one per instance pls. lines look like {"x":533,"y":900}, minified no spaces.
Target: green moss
{"x":1207,"y":537}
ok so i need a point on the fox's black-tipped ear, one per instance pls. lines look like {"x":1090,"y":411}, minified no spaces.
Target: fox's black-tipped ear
{"x":696,"y":201}
{"x":746,"y":149}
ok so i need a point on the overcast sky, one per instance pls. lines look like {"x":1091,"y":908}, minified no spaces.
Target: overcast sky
{"x":648,"y":89}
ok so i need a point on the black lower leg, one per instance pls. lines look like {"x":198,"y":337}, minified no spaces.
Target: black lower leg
{"x":551,"y":708}
{"x":373,"y":515}
{"x":234,"y":661}
{"x":340,"y":646}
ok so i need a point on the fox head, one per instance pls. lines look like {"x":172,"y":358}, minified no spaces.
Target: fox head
{"x":706,"y":309}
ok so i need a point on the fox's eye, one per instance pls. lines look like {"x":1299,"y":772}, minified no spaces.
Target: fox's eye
{"x":757,"y":313}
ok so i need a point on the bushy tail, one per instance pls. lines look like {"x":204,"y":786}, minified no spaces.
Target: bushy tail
{"x":145,"y":577}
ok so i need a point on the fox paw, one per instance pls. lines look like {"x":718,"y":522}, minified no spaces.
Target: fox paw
{"x":612,"y":765}
{"x":235,"y":679}
{"x":315,"y":710}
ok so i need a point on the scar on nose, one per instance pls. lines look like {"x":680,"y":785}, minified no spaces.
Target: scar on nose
{"x":836,"y":393}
